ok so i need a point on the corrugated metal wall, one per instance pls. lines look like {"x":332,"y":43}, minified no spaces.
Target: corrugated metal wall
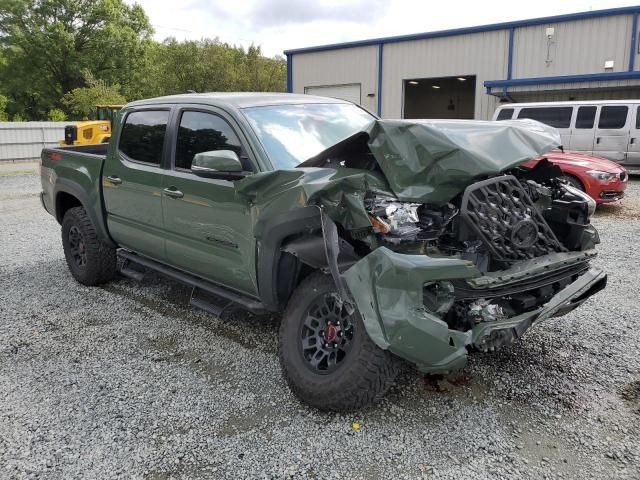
{"x":25,"y":140}
{"x":480,"y":54}
{"x":339,"y":67}
{"x":575,"y":48}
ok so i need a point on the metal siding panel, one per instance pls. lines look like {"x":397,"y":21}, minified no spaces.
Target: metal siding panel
{"x":25,"y":140}
{"x":338,"y":67}
{"x":481,"y":54}
{"x":579,"y":47}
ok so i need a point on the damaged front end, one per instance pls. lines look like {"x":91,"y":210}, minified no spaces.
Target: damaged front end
{"x":477,"y":272}
{"x":452,"y":246}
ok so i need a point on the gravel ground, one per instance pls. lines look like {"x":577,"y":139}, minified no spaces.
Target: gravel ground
{"x":128,"y":381}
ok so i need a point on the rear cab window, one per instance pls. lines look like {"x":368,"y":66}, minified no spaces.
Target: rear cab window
{"x":613,"y":117}
{"x":205,"y":132}
{"x":558,"y":117}
{"x":142,"y":136}
{"x":505,"y":114}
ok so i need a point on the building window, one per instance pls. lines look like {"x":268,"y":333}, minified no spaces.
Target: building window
{"x":558,"y":117}
{"x":586,"y":117}
{"x":613,"y":117}
{"x":505,"y":114}
{"x":142,"y":136}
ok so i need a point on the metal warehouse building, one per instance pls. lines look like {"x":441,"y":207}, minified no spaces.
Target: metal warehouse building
{"x":466,"y":72}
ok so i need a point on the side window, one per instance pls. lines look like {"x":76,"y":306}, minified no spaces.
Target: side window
{"x":638,"y":119}
{"x":505,"y":114}
{"x":613,"y":117}
{"x":203,"y":132}
{"x":559,"y":117}
{"x":142,"y":135}
{"x":586,"y":117}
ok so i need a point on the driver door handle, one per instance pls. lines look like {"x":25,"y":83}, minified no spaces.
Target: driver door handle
{"x":113,"y":179}
{"x":173,"y":192}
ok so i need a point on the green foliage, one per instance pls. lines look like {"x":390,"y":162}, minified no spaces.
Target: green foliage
{"x":3,"y":107}
{"x":48,"y":44}
{"x":66,"y":54}
{"x":81,"y":102}
{"x":17,"y":118}
{"x":56,"y":115}
{"x":209,"y":66}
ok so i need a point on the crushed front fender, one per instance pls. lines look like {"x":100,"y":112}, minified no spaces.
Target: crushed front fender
{"x":388,"y":289}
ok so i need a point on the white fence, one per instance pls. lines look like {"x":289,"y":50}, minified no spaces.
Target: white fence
{"x":25,"y":140}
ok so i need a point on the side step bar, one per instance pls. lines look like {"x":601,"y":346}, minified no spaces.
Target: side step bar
{"x":247,"y":303}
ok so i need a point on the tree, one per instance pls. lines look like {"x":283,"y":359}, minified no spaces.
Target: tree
{"x":210,"y":65}
{"x":3,"y":106}
{"x":48,"y":44}
{"x":81,"y":102}
{"x":56,"y":115}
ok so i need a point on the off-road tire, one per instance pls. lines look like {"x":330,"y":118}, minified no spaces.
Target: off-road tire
{"x":100,"y":258}
{"x":363,"y":376}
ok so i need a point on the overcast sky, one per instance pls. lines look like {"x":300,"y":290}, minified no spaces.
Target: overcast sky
{"x":277,"y":25}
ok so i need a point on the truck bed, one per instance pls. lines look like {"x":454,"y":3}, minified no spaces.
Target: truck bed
{"x":98,"y":149}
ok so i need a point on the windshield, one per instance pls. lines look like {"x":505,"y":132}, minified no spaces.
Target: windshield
{"x":293,"y":133}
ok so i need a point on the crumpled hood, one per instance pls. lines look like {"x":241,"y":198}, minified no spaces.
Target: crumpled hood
{"x":431,"y":161}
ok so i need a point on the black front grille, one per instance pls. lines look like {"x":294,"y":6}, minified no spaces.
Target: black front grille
{"x":500,"y":213}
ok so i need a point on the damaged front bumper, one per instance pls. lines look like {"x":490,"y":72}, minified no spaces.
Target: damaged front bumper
{"x":388,"y":289}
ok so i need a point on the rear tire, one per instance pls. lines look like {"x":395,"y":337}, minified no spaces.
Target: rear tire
{"x":352,"y":375}
{"x":90,"y":260}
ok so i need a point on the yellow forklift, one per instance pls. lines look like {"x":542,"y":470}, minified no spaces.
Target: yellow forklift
{"x":90,"y":132}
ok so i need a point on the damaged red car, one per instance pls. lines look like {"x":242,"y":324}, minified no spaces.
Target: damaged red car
{"x":603,"y":180}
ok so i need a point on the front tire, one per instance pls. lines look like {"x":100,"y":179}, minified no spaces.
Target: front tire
{"x":574,"y":181}
{"x":326,"y":355}
{"x":90,"y":260}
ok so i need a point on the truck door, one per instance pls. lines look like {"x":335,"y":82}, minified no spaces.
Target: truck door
{"x":612,"y":133}
{"x":208,"y":229}
{"x":633,"y":148}
{"x":132,"y":183}
{"x":584,"y":131}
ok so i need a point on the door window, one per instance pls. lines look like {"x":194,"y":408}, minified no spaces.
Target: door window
{"x":638,"y":119}
{"x":586,"y":117}
{"x":558,"y":117}
{"x":613,"y":117}
{"x":505,"y":114}
{"x":142,"y":135}
{"x":204,"y":132}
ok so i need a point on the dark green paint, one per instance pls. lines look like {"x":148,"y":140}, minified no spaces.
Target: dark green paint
{"x":213,"y":227}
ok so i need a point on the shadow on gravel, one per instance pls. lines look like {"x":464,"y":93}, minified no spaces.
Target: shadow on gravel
{"x":631,"y":393}
{"x":171,"y":299}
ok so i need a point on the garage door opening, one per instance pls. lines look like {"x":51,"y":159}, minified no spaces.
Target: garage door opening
{"x":442,"y":97}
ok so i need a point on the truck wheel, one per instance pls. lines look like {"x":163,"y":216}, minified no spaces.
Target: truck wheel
{"x":326,"y":355}
{"x":91,"y":261}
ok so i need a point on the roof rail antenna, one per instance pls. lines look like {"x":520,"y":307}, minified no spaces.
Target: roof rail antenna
{"x":191,"y":91}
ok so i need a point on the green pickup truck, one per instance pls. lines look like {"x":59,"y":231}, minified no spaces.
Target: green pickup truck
{"x":379,"y":240}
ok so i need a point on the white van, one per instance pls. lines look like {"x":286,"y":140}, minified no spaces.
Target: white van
{"x":609,"y":128}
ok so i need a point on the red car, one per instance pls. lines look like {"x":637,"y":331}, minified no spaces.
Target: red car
{"x":604,"y":180}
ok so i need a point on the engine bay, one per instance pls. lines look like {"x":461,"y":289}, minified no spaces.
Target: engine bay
{"x":495,"y":223}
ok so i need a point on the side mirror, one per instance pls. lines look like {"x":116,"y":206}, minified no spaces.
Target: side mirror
{"x":216,"y":163}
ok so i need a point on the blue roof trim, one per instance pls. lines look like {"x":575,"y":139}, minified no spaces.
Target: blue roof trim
{"x":289,"y":73}
{"x":634,"y":35}
{"x":589,"y":77}
{"x":379,"y":89}
{"x":478,"y":29}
